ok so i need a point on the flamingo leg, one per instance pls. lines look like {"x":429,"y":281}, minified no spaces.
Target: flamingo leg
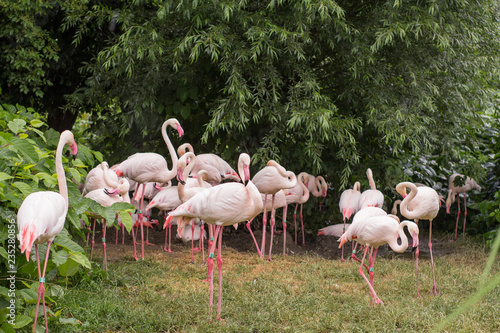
{"x":253,"y":236}
{"x":343,"y":230}
{"x":434,"y":287}
{"x":211,"y":271}
{"x":166,"y":235}
{"x":41,"y":287}
{"x":458,"y":215}
{"x":133,"y":243}
{"x":465,"y":215}
{"x":302,"y":225}
{"x":123,"y":234}
{"x":116,"y":237}
{"x":372,"y":291}
{"x":264,"y":223}
{"x":273,"y":213}
{"x":219,"y":266}
{"x":104,"y":256}
{"x":192,"y":241}
{"x":202,"y":246}
{"x":295,"y":221}
{"x":284,"y":228}
{"x":416,"y":265}
{"x":140,"y":215}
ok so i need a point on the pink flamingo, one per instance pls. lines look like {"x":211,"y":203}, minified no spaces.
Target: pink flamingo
{"x":166,"y":200}
{"x":41,"y":218}
{"x":106,"y":198}
{"x":453,"y":191}
{"x":217,"y":169}
{"x":394,"y":210}
{"x":222,"y":205}
{"x":271,"y":179}
{"x":100,"y":177}
{"x":422,"y":203}
{"x":371,"y":197}
{"x":150,"y":167}
{"x":299,"y":194}
{"x":318,"y":187}
{"x":374,"y":232}
{"x":349,"y":204}
{"x":335,"y":230}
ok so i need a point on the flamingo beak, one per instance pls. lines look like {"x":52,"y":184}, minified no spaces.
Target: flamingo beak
{"x":415,"y":241}
{"x":180,"y":130}
{"x":74,"y":150}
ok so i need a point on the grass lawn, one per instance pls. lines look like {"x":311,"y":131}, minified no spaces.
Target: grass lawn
{"x":293,"y":293}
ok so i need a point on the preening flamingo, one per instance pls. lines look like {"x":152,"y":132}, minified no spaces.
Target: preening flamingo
{"x":317,"y":187}
{"x":335,"y":230}
{"x":349,"y":204}
{"x":217,"y":168}
{"x":222,"y":205}
{"x":100,"y":177}
{"x":299,"y":195}
{"x":394,"y":210}
{"x":271,"y":179}
{"x":41,"y":218}
{"x":453,"y":191}
{"x":422,"y":203}
{"x":371,"y":197}
{"x":374,"y":232}
{"x":151,"y":167}
{"x":106,"y":198}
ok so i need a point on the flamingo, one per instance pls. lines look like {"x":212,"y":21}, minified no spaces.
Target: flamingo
{"x":318,"y":187}
{"x":100,"y":177}
{"x":222,"y":205}
{"x":270,"y":180}
{"x":190,"y":236}
{"x":217,"y":168}
{"x":422,"y":203}
{"x":42,"y":215}
{"x":394,"y":210}
{"x":147,"y":192}
{"x":349,"y":204}
{"x":453,"y":190}
{"x":374,"y":232}
{"x":106,"y":198}
{"x":166,"y":200}
{"x":371,"y":197}
{"x":299,"y":194}
{"x":151,"y":167}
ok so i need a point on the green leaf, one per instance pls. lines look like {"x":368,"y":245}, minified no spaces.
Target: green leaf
{"x":69,"y":268}
{"x":60,"y":257}
{"x":7,"y":328}
{"x":126,"y":220}
{"x":21,"y":321}
{"x":4,"y":253}
{"x":24,"y":188}
{"x":36,"y":123}
{"x":4,"y":176}
{"x":76,"y":175}
{"x":68,"y":244}
{"x":81,"y":259}
{"x":16,"y":125}
{"x":26,"y":149}
{"x":69,"y":321}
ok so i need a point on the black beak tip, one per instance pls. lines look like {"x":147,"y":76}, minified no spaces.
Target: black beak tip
{"x":74,"y":157}
{"x":246,"y":182}
{"x":414,"y":249}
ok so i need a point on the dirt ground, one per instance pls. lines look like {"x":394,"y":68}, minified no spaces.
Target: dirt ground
{"x":241,"y":240}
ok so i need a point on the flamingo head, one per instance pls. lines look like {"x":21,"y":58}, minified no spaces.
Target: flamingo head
{"x":180,"y":130}
{"x":180,"y":177}
{"x":74,"y":149}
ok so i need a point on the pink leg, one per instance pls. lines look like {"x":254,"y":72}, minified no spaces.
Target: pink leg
{"x":458,"y":216}
{"x":372,"y":291}
{"x":192,"y":241}
{"x":202,"y":246}
{"x":133,"y":243}
{"x":211,"y":271}
{"x":104,"y":256}
{"x":416,"y":265}
{"x":465,"y":215}
{"x":219,"y":266}
{"x":343,"y":230}
{"x":92,"y":241}
{"x":273,"y":213}
{"x":123,"y":234}
{"x":251,"y":233}
{"x":41,"y":287}
{"x":434,"y":287}
{"x":264,"y":222}
{"x":116,"y":237}
{"x":140,"y":215}
{"x":302,"y":225}
{"x":88,"y":236}
{"x":284,"y":228}
{"x":295,"y":221}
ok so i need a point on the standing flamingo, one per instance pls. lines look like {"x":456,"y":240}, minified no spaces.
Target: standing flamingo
{"x":422,"y":203}
{"x":317,"y":187}
{"x":217,"y":168}
{"x":374,"y":232}
{"x":151,"y":167}
{"x":41,"y":218}
{"x":299,"y":194}
{"x":271,"y":179}
{"x":349,"y":204}
{"x":222,"y":205}
{"x":453,"y":190}
{"x":106,"y":198}
{"x":371,"y":197}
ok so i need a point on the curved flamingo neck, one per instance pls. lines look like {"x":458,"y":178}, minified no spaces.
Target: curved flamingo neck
{"x":357,"y":187}
{"x":369,"y":174}
{"x":171,"y":150}
{"x":403,"y":207}
{"x":282,"y":171}
{"x":66,"y":138}
{"x":105,"y":174}
{"x":404,"y":240}
{"x":305,"y":190}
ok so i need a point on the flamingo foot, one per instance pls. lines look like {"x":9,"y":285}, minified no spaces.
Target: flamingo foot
{"x":148,"y":243}
{"x":435,"y":291}
{"x":136,"y":258}
{"x":378,"y":301}
{"x":196,"y":249}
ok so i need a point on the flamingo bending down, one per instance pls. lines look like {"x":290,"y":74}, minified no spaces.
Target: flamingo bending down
{"x":374,"y":232}
{"x":349,"y":204}
{"x":335,"y":230}
{"x":422,"y":203}
{"x":100,"y":177}
{"x":42,"y":215}
{"x":222,"y":205}
{"x":151,"y":167}
{"x":453,"y":191}
{"x":299,"y":194}
{"x":271,"y":179}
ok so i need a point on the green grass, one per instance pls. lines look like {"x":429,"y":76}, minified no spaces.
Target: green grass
{"x":295,"y":293}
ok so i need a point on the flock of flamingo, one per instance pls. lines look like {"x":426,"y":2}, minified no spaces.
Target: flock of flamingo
{"x":210,"y":191}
